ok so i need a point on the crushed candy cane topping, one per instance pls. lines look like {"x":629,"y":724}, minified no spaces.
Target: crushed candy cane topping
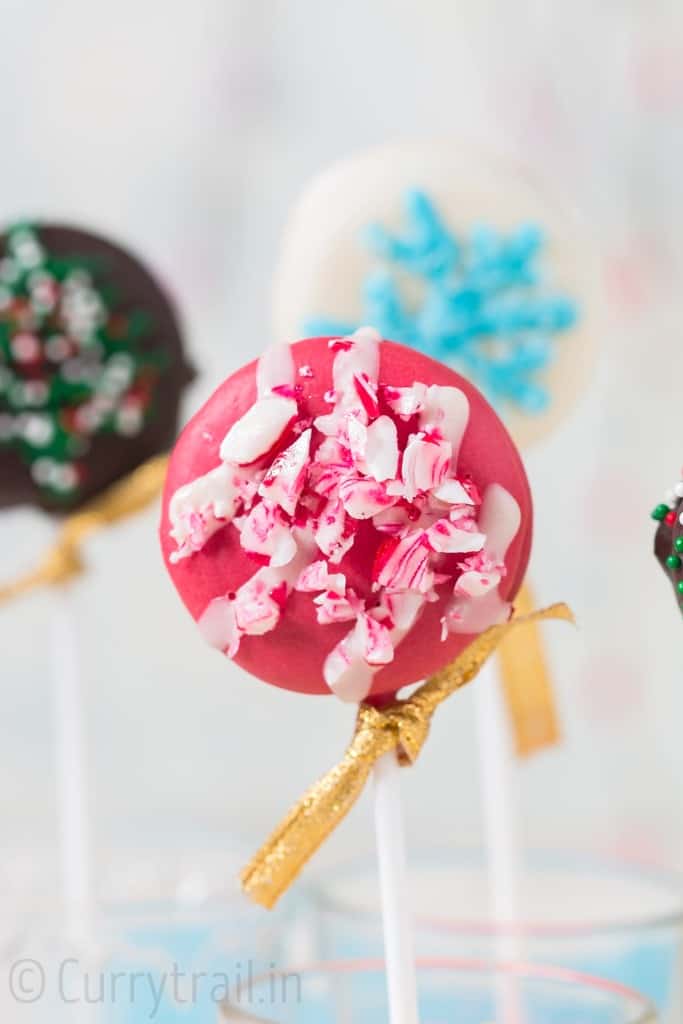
{"x":298,"y":492}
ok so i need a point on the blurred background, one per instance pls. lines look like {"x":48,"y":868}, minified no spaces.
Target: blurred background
{"x":186,"y":131}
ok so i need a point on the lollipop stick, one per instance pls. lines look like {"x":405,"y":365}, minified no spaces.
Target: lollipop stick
{"x":72,"y":797}
{"x":391,"y":856}
{"x":499,"y":808}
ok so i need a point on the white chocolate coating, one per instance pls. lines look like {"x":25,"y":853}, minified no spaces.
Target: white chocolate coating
{"x":324,"y":262}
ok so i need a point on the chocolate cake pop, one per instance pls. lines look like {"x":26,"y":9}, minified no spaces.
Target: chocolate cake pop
{"x":669,"y":537}
{"x":344,"y":515}
{"x":91,"y":366}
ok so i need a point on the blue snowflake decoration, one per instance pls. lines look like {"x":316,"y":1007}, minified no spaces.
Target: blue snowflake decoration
{"x":483,"y":306}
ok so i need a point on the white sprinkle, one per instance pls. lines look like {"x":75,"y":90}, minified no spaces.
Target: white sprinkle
{"x":42,"y":470}
{"x":65,"y":478}
{"x":9,"y":271}
{"x":43,"y":296}
{"x":23,"y":393}
{"x":36,"y":392}
{"x":115,"y":380}
{"x":129,"y":419}
{"x":670,"y":498}
{"x":38,"y":431}
{"x":27,"y":251}
{"x":678,"y":489}
{"x":121,"y":359}
{"x":25,"y":347}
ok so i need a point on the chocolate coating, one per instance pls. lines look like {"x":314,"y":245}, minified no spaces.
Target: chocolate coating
{"x":665,"y":548}
{"x":103,"y":457}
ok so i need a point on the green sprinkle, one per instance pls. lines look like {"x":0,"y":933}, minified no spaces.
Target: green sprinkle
{"x":674,"y":562}
{"x":678,"y":544}
{"x":659,"y":512}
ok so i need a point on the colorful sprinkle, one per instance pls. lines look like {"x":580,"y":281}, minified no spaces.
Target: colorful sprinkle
{"x":484,"y":306}
{"x":660,"y":512}
{"x":70,"y":367}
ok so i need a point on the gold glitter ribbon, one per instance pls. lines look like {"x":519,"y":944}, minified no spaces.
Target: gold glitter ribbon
{"x":527,"y":687}
{"x":402,"y":726}
{"x":63,"y":561}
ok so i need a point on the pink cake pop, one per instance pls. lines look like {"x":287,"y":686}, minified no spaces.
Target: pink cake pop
{"x":344,"y":515}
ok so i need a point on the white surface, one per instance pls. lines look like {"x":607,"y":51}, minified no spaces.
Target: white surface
{"x":188,"y":131}
{"x":399,"y":953}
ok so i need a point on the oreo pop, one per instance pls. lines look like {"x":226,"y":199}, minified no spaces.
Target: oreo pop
{"x":345,"y":515}
{"x":458,"y":253}
{"x":91,"y":366}
{"x":669,"y":537}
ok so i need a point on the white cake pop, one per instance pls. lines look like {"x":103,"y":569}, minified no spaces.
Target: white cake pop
{"x":458,"y":254}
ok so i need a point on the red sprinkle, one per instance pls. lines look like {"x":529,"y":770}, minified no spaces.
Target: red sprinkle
{"x":670,"y":518}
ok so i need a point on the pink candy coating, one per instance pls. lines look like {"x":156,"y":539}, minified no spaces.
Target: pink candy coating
{"x":297,"y":630}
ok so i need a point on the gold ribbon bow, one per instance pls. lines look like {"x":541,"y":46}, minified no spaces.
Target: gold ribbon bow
{"x":63,"y":561}
{"x":402,"y":726}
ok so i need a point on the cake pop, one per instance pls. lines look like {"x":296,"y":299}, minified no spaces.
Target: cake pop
{"x":91,"y":366}
{"x":344,"y":515}
{"x":669,"y":537}
{"x":460,"y":255}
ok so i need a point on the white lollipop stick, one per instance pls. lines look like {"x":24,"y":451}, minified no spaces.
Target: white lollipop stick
{"x":70,"y":765}
{"x":391,"y":856}
{"x":502,"y":845}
